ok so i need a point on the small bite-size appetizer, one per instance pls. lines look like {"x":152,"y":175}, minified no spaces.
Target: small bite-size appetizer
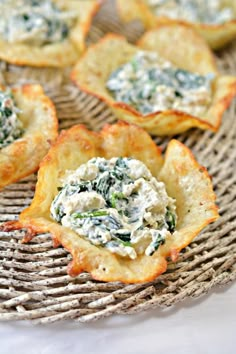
{"x":44,"y":32}
{"x":28,"y":125}
{"x":215,"y":20}
{"x":116,"y":205}
{"x":166,"y":84}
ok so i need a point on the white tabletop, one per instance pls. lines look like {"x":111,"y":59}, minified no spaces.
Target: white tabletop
{"x":201,"y":326}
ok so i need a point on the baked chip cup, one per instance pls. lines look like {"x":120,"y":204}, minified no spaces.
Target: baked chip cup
{"x":38,"y":116}
{"x":59,"y":54}
{"x":184,"y":179}
{"x":217,"y":35}
{"x":94,"y":68}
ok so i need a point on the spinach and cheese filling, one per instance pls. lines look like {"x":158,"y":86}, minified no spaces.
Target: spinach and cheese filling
{"x":10,"y":126}
{"x":196,"y":11}
{"x":116,"y":204}
{"x":34,"y":22}
{"x":149,"y":83}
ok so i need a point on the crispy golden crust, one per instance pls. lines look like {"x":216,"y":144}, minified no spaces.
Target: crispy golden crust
{"x":59,"y":54}
{"x":185,"y":180}
{"x":22,"y":157}
{"x":190,"y":184}
{"x":216,"y":35}
{"x":93,"y":69}
{"x":136,"y":10}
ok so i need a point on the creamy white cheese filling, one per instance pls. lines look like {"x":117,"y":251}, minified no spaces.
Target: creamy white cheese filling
{"x":10,"y":126}
{"x":116,"y":204}
{"x":35,"y":22}
{"x":150,"y":84}
{"x":202,"y":11}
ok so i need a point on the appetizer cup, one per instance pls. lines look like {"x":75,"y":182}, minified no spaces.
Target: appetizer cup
{"x":184,"y":179}
{"x":192,"y":54}
{"x":59,"y":53}
{"x":216,"y":34}
{"x":38,"y":118}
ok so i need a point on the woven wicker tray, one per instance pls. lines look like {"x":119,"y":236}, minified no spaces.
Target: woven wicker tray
{"x":33,"y":280}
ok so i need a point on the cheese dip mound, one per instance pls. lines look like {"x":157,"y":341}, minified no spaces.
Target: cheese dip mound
{"x":35,"y":22}
{"x":197,"y":11}
{"x":10,"y":126}
{"x":149,"y":83}
{"x":116,"y":204}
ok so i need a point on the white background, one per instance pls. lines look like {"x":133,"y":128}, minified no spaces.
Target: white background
{"x":195,"y":326}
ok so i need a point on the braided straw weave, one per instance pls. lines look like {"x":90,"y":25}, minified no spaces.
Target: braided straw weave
{"x":33,"y":280}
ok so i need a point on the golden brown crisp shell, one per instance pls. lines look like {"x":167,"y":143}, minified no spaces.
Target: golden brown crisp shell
{"x":59,"y":54}
{"x":93,"y":69}
{"x":217,"y":35}
{"x":22,"y":157}
{"x":185,"y":180}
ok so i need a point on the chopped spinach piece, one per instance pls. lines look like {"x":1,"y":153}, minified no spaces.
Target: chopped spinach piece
{"x":77,"y":188}
{"x":170,"y":220}
{"x":117,"y":243}
{"x":8,"y":112}
{"x":59,"y":212}
{"x":123,"y":235}
{"x":91,"y":214}
{"x":103,"y":184}
{"x":113,"y":223}
{"x":156,"y":244}
{"x":120,"y":162}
